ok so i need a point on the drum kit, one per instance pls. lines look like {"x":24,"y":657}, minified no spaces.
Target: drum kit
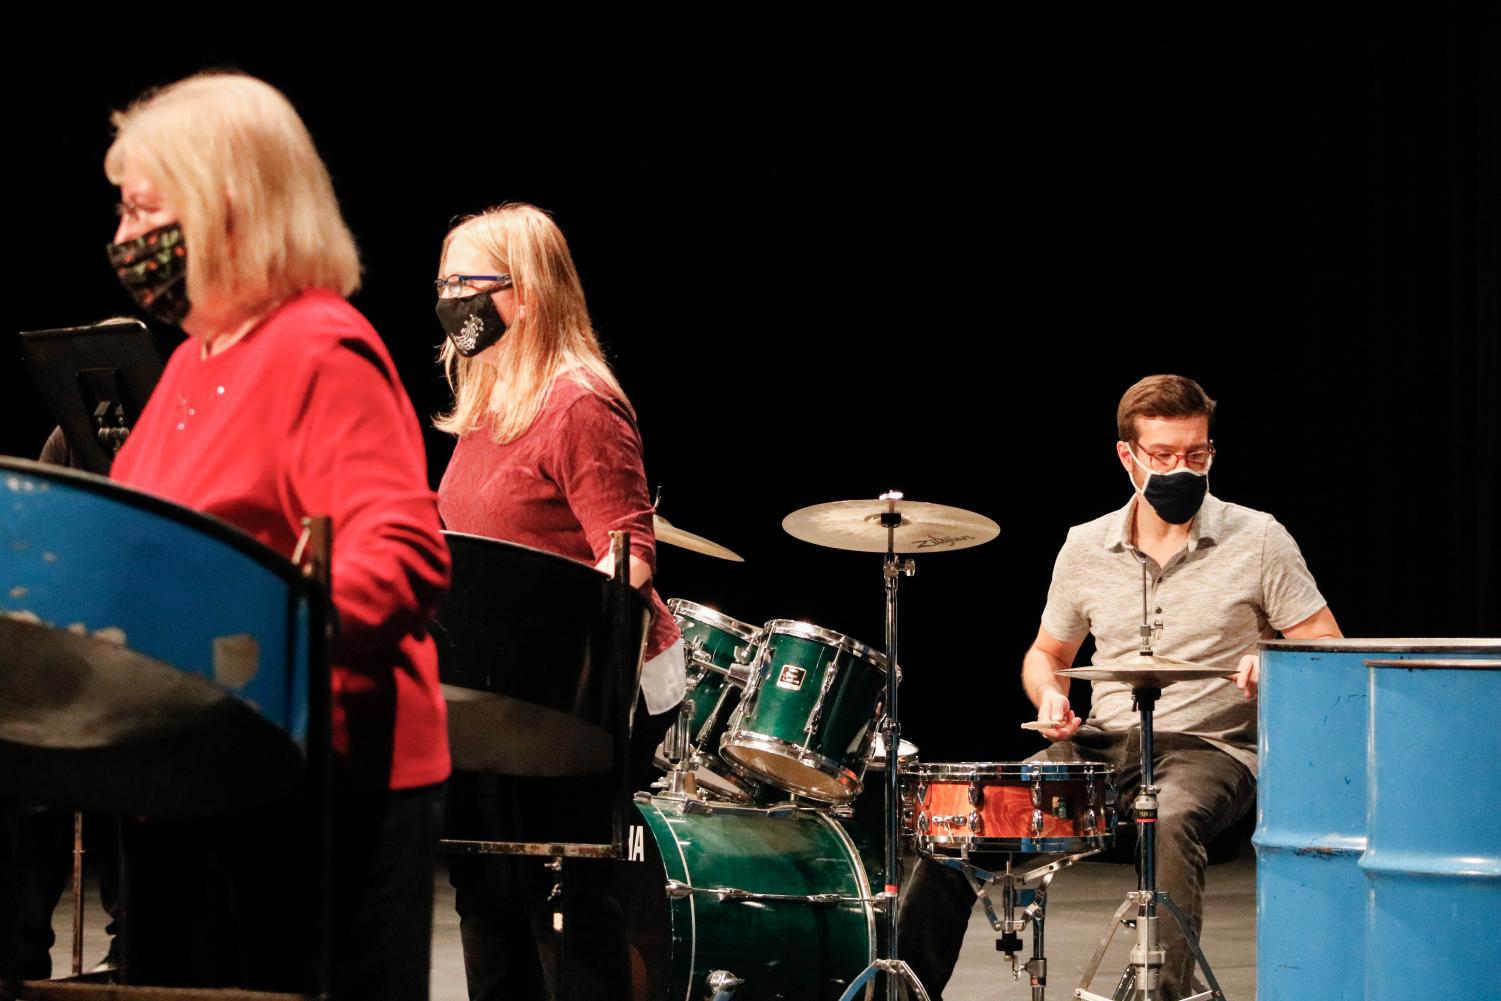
{"x":772,"y":848}
{"x":780,"y":828}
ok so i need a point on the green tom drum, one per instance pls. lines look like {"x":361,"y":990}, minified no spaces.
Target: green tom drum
{"x":717,"y":650}
{"x":774,"y":899}
{"x":809,"y":712}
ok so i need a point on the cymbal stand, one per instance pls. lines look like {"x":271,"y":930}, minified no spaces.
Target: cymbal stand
{"x":1143,"y":973}
{"x":892,"y":570}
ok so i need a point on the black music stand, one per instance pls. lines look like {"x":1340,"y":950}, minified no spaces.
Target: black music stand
{"x":95,"y":379}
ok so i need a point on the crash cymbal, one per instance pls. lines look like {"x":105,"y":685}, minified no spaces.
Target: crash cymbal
{"x":856,"y":525}
{"x":672,"y":535}
{"x":1148,"y":672}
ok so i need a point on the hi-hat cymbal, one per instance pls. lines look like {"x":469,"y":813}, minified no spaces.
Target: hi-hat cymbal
{"x":856,"y":525}
{"x":672,"y":535}
{"x":1148,"y":672}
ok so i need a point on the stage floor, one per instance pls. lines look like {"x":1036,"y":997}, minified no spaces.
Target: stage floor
{"x":1082,"y":900}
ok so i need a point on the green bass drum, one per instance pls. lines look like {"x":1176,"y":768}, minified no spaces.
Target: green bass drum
{"x":717,"y":893}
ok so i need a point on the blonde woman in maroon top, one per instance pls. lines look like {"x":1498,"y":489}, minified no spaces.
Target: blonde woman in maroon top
{"x":548,"y":456}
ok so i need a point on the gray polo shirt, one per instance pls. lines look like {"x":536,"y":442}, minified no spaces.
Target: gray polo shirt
{"x":1241,"y":578}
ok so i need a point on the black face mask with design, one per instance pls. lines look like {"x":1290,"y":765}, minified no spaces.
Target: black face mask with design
{"x":153,"y":267}
{"x":471,"y":322}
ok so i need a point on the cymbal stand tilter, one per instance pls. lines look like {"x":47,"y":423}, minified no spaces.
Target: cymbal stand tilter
{"x":892,"y":570}
{"x":1143,"y":974}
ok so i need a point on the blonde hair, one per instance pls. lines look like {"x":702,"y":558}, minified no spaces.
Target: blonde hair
{"x":507,"y":385}
{"x":255,"y":202}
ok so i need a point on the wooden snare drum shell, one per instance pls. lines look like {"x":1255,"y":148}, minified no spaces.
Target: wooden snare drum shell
{"x":1019,"y":807}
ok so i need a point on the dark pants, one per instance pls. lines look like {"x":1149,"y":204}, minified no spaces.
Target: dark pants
{"x":1202,"y":791}
{"x":511,"y":951}
{"x":39,"y":867}
{"x":232,"y":901}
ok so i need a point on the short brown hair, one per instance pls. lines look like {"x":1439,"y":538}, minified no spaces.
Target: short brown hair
{"x":1161,"y":396}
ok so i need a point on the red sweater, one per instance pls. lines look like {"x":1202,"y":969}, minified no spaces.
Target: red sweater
{"x":305,"y":415}
{"x":573,"y":477}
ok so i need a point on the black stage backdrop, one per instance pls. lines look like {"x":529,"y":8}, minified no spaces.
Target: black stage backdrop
{"x":932,"y":268}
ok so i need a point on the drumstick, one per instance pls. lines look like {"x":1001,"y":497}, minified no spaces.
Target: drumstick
{"x":1035,"y":724}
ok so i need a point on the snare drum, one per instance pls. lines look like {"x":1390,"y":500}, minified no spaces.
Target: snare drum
{"x":809,"y":712}
{"x":1027,"y":807}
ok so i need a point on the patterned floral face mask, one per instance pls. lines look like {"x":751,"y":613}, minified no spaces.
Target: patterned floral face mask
{"x":154,"y":270}
{"x":472,"y":322}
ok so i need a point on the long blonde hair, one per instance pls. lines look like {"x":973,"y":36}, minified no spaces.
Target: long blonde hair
{"x":255,"y":202}
{"x":505,"y":387}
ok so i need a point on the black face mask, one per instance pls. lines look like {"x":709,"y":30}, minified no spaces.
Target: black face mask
{"x":1175,"y":496}
{"x":472,"y":322}
{"x":154,"y":270}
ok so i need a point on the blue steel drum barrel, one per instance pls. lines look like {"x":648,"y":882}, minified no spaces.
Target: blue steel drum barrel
{"x":1310,"y":821}
{"x":1316,"y":789}
{"x":1433,"y":853}
{"x":522,"y":639}
{"x":154,"y":661}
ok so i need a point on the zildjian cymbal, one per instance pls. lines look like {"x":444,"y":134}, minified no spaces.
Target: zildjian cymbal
{"x":856,"y":525}
{"x":1148,"y":672}
{"x":669,"y":533}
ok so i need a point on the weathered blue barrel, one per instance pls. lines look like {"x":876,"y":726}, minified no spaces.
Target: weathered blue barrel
{"x":1310,"y":820}
{"x":1432,"y":862}
{"x":153,"y":660}
{"x":1330,"y":831}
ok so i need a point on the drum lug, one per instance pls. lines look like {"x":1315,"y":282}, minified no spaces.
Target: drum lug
{"x":1036,"y":823}
{"x":723,"y":984}
{"x":976,"y":824}
{"x":816,"y":716}
{"x":976,"y":794}
{"x":922,"y":822}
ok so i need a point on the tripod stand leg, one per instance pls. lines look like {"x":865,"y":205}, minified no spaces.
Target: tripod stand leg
{"x":891,"y":967}
{"x":1104,"y":943}
{"x":1194,"y":947}
{"x":1125,"y":987}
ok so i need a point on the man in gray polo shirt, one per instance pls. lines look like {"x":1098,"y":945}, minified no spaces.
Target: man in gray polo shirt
{"x":1219,"y":577}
